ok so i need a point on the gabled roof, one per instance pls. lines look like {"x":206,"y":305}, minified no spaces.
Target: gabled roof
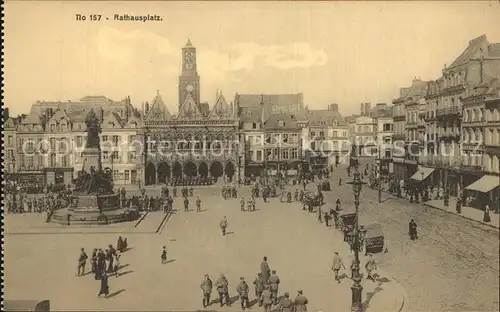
{"x":10,"y":123}
{"x":190,"y":110}
{"x":472,"y":50}
{"x":111,"y":120}
{"x":273,"y":122}
{"x":327,"y":118}
{"x":158,"y":110}
{"x":60,"y":115}
{"x":221,"y":109}
{"x":494,"y":50}
{"x":292,"y":104}
{"x":133,"y":118}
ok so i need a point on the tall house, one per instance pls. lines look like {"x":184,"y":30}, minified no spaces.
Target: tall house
{"x":478,"y":65}
{"x":189,"y":80}
{"x":398,"y":138}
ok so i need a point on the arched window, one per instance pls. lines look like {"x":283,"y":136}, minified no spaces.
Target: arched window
{"x":52,"y":162}
{"x":466,"y":115}
{"x":465,"y":135}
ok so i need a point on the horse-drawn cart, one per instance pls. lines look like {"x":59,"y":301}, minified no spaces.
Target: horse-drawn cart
{"x":345,"y":219}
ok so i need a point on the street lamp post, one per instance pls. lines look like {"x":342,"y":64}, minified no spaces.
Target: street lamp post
{"x":356,"y":288}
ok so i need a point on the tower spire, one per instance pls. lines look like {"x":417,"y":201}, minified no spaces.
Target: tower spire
{"x":188,"y":43}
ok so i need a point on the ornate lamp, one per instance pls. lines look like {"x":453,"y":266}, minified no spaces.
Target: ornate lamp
{"x":356,"y":288}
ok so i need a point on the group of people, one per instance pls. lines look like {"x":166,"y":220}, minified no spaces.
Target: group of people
{"x":266,"y":286}
{"x":229,"y":191}
{"x":103,"y":263}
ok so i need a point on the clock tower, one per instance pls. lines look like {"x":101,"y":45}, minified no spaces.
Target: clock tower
{"x":189,"y":81}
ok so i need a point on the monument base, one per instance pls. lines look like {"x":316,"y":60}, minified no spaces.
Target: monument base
{"x":94,"y":209}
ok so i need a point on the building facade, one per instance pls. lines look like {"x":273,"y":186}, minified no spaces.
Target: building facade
{"x":195,"y":142}
{"x":328,"y":137}
{"x":399,"y":136}
{"x":272,"y":125}
{"x":478,"y":64}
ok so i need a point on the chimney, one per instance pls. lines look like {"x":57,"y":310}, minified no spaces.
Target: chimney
{"x":362,"y":110}
{"x":333,"y":107}
{"x":5,"y":113}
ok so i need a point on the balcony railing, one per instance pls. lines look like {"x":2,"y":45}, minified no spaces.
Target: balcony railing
{"x":452,"y":110}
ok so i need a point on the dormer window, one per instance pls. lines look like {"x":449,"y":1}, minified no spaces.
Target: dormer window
{"x":335,"y":122}
{"x":281,"y":123}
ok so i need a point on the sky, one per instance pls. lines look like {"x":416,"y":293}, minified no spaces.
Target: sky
{"x":332,"y":52}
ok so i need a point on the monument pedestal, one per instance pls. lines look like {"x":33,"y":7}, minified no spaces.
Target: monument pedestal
{"x":94,"y":209}
{"x":92,"y":158}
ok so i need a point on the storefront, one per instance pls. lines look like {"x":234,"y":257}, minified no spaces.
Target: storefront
{"x":58,"y":176}
{"x":483,"y":192}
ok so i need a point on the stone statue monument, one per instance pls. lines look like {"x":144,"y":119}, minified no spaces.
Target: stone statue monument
{"x":93,"y":200}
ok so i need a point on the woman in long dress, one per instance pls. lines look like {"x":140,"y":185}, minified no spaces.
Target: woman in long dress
{"x":486,"y":217}
{"x":104,"y":285}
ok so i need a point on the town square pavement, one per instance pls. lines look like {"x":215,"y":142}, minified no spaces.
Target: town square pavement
{"x":43,"y":266}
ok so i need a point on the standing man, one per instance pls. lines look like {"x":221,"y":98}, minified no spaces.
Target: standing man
{"x":274,"y":282}
{"x":186,"y":204}
{"x":242,"y":291}
{"x":259,"y":287}
{"x":412,"y":229}
{"x":265,"y":271}
{"x":370,"y":266}
{"x":337,"y":265}
{"x":223,"y":290}
{"x":242,"y":204}
{"x":300,"y":302}
{"x":164,"y":255}
{"x":206,"y":287}
{"x":198,"y":204}
{"x":286,"y":304}
{"x":223,"y":225}
{"x":81,"y":262}
{"x":104,"y":285}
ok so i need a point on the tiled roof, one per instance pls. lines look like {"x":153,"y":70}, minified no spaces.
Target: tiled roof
{"x":255,"y":100}
{"x":250,"y":114}
{"x":470,"y":51}
{"x":325,"y":118}
{"x":273,"y":122}
{"x":78,"y":114}
{"x":417,"y":89}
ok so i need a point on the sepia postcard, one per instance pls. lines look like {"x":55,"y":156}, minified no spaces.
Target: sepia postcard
{"x":284,"y":156}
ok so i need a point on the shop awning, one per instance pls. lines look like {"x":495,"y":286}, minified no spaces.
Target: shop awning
{"x":422,"y":173}
{"x":485,"y":184}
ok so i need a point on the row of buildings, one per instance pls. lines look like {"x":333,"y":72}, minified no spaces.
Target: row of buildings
{"x":450,"y":127}
{"x":149,"y":145}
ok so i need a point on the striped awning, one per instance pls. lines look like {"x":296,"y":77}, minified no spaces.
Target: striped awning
{"x":485,"y":184}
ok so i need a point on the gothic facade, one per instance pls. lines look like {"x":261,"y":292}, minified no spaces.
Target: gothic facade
{"x":197,"y":141}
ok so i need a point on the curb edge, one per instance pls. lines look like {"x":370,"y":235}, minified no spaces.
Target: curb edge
{"x":462,"y":216}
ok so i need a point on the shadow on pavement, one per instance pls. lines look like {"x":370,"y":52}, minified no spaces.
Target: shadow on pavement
{"x":116,"y":293}
{"x":169,"y":261}
{"x":126,"y":272}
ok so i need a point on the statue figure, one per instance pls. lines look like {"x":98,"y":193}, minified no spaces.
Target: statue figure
{"x":93,"y":130}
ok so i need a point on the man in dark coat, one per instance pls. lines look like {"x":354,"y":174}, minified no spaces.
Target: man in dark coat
{"x":101,"y":261}
{"x":265,"y":270}
{"x":198,"y":204}
{"x":94,"y":260}
{"x":186,"y":204}
{"x":104,"y":285}
{"x":412,"y":229}
{"x":119,"y":244}
{"x":206,"y":287}
{"x":266,"y":299}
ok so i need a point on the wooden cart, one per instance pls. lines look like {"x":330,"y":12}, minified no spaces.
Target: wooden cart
{"x":373,"y":239}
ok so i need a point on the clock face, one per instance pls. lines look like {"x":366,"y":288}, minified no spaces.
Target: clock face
{"x":189,"y":88}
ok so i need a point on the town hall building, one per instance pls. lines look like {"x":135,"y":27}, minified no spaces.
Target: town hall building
{"x":198,"y":141}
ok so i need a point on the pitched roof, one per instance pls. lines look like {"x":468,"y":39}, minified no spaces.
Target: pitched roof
{"x":494,"y":50}
{"x":471,"y":51}
{"x":190,"y":110}
{"x":78,"y":114}
{"x":250,"y":114}
{"x":158,"y":110}
{"x":59,"y":115}
{"x":273,"y":122}
{"x":221,"y":109}
{"x":325,"y":118}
